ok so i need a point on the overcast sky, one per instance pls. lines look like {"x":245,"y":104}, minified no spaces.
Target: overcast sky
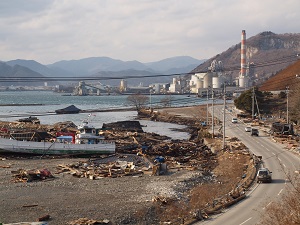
{"x":144,"y":30}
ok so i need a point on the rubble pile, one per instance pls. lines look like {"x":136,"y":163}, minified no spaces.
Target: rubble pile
{"x":22,"y":175}
{"x":175,"y":155}
{"x":133,"y":142}
{"x":24,"y":126}
{"x":130,"y":139}
{"x":95,"y":170}
{"x":33,"y":131}
{"x":236,"y":145}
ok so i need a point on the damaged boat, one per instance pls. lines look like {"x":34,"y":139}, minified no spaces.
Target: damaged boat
{"x":86,"y":141}
{"x":72,"y":109}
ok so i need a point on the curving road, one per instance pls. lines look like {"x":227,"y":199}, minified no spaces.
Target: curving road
{"x":277,"y":158}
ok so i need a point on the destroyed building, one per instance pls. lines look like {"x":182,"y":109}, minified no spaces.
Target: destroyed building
{"x":282,"y":128}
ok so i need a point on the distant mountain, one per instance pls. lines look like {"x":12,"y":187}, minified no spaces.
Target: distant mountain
{"x":40,"y":68}
{"x":269,"y":53}
{"x":108,"y":67}
{"x":145,"y":77}
{"x":93,"y":65}
{"x":33,"y":65}
{"x":171,"y":64}
{"x":16,"y":73}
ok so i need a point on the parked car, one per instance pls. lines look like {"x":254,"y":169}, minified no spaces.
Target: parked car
{"x":234,"y":120}
{"x":254,"y":131}
{"x":264,"y":175}
{"x":247,"y":129}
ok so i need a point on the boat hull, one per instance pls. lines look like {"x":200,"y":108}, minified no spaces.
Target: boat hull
{"x":55,"y":148}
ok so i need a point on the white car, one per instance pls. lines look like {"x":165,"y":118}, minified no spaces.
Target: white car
{"x":234,"y":120}
{"x":247,"y":129}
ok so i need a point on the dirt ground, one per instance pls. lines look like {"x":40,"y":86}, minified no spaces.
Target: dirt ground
{"x":197,"y":112}
{"x":135,"y":199}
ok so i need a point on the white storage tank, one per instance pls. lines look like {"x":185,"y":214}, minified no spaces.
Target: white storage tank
{"x":207,"y":80}
{"x":216,"y":82}
{"x":243,"y":82}
{"x":199,"y":84}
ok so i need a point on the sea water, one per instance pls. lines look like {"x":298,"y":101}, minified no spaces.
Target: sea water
{"x":20,"y":104}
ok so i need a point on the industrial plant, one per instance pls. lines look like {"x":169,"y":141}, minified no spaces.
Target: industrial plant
{"x":201,"y":84}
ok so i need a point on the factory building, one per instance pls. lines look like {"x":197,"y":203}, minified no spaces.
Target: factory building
{"x":213,"y":79}
{"x":176,"y":86}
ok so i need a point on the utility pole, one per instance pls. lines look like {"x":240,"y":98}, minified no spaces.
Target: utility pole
{"x":253,"y":103}
{"x":224,"y":115}
{"x":207,"y":93}
{"x":287,"y":104}
{"x":212,"y":117}
{"x":150,"y":92}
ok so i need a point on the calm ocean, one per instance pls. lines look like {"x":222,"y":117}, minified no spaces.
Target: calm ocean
{"x":43,"y":104}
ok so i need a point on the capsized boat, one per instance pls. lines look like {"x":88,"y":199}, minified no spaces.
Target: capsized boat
{"x":72,"y":109}
{"x":87,"y":141}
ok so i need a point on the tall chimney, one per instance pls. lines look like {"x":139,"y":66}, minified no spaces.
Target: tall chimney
{"x":243,"y":54}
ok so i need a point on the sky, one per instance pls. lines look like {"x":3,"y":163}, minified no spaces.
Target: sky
{"x":48,"y":31}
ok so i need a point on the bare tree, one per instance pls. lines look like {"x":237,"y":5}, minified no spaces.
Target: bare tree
{"x":138,"y":100}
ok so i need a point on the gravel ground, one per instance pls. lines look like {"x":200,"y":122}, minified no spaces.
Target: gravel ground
{"x":67,"y":198}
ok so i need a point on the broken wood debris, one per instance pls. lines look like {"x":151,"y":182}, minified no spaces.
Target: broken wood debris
{"x":22,"y":175}
{"x":86,"y":221}
{"x":94,"y":170}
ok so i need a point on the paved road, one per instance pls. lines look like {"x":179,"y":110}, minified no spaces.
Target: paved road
{"x":277,"y":158}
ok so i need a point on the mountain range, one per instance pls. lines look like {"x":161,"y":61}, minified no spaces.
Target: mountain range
{"x":97,"y":66}
{"x":267,"y":53}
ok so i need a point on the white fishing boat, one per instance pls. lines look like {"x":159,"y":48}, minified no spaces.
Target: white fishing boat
{"x":87,"y":141}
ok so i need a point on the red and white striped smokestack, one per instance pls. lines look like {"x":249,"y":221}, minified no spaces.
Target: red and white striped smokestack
{"x":243,"y":53}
